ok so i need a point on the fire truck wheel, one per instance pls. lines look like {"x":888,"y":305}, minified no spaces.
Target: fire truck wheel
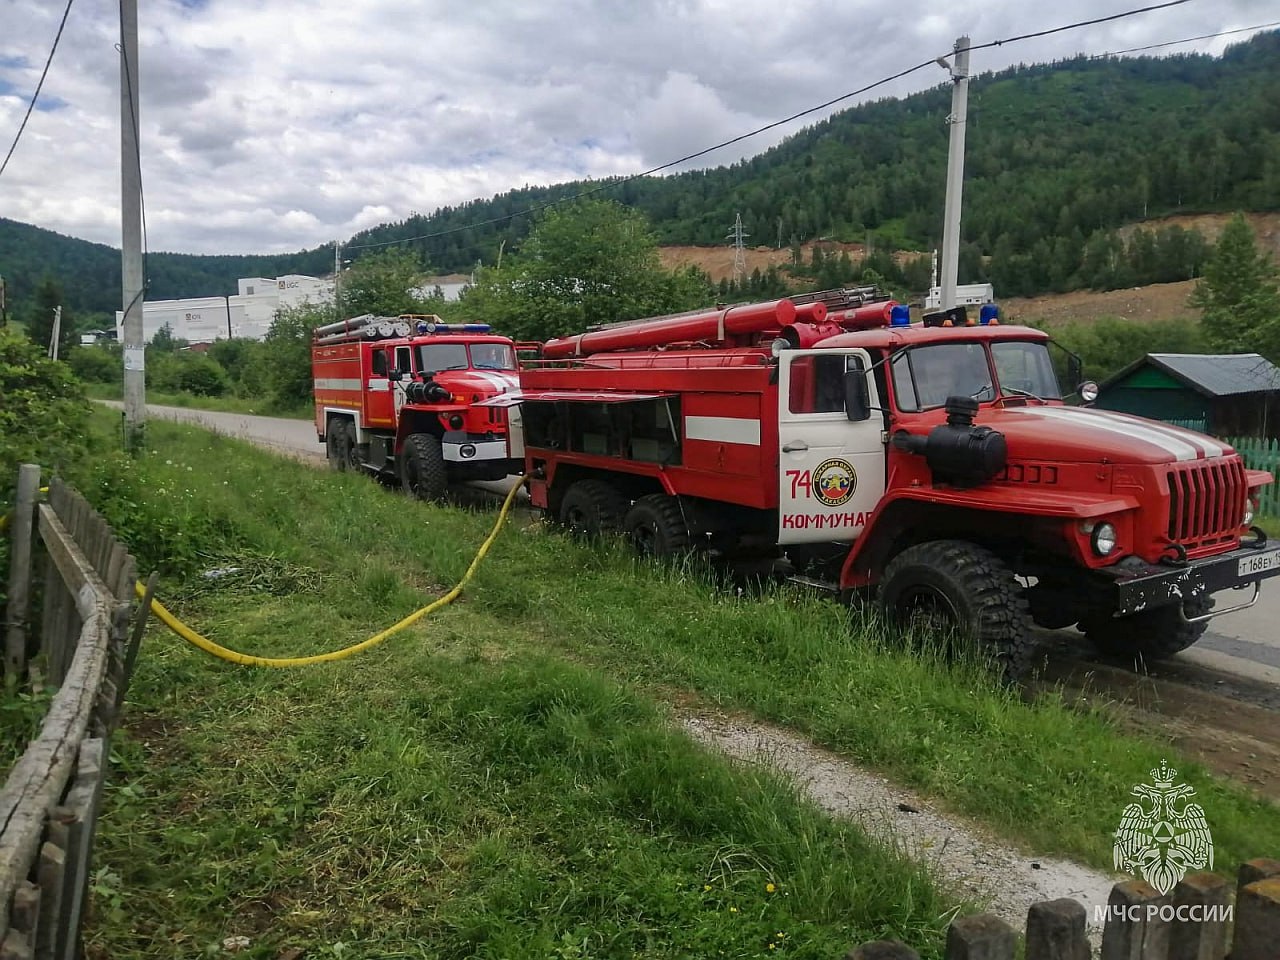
{"x":1153,"y":634}
{"x":593,"y":508}
{"x":962,"y":592}
{"x":333,"y":438}
{"x":655,"y":526}
{"x":422,"y":469}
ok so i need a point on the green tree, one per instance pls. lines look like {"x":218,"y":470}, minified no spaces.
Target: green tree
{"x":589,"y":263}
{"x":1239,"y":295}
{"x":384,"y":284}
{"x":48,"y":298}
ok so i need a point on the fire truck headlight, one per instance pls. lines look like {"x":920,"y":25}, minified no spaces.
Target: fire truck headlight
{"x":1249,"y":507}
{"x":1103,"y":539}
{"x":467,"y":451}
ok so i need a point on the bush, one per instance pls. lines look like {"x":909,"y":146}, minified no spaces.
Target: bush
{"x":43,"y":415}
{"x":186,"y":372}
{"x":98,"y":364}
{"x":202,"y":376}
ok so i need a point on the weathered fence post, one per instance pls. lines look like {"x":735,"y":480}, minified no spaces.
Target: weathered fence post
{"x":1257,"y":926}
{"x":1203,"y":934}
{"x":24,"y":512}
{"x":1135,"y":930}
{"x":980,"y":937}
{"x":1056,"y":931}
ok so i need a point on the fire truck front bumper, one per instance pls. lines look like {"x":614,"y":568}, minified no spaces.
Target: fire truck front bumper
{"x":460,"y":447}
{"x":1143,"y":586}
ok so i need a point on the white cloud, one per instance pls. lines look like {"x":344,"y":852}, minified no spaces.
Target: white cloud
{"x":275,"y":126}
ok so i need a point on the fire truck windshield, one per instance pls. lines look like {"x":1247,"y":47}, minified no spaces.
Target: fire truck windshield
{"x":923,"y":377}
{"x":492,"y":356}
{"x":1025,"y":369}
{"x":434,"y":357}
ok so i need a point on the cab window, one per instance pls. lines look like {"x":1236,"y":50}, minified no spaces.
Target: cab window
{"x":492,"y":356}
{"x":817,"y":384}
{"x":404,"y":360}
{"x":924,"y":377}
{"x":380,"y":362}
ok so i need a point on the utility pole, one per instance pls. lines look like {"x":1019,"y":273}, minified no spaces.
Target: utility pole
{"x":955,"y":170}
{"x":739,"y":251}
{"x":337,"y":277}
{"x":4,"y":317}
{"x":57,"y":332}
{"x":135,"y":384}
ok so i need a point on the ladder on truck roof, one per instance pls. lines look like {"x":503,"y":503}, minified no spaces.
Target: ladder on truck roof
{"x":368,"y":326}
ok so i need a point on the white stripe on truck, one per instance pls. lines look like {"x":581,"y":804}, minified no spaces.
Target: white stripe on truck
{"x":723,"y":430}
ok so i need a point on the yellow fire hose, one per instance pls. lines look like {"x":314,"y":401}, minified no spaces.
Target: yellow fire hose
{"x":234,"y":656}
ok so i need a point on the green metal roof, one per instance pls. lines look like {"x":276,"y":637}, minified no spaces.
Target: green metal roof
{"x":1212,"y":374}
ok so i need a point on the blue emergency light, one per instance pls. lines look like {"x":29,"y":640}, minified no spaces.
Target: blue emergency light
{"x":426,"y":326}
{"x":900,"y":315}
{"x":989,"y":313}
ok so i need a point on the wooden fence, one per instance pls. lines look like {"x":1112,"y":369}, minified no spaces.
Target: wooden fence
{"x":1197,"y":920}
{"x":84,"y":647}
{"x":1262,"y":454}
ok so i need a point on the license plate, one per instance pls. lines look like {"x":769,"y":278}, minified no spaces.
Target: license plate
{"x":1259,"y":563}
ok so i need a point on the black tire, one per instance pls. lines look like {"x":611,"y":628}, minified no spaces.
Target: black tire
{"x":335,"y":431}
{"x":655,"y":526}
{"x":593,"y":508}
{"x":966,"y":591}
{"x":351,"y":448}
{"x":1152,"y":634}
{"x":422,"y":470}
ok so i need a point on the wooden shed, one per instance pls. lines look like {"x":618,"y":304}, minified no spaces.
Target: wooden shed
{"x":1236,"y":394}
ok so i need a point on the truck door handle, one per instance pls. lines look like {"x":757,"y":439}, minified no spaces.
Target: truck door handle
{"x":795,"y":446}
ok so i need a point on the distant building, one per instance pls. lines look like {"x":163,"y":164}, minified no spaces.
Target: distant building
{"x":451,"y":286}
{"x":246,"y":314}
{"x":1227,"y":395}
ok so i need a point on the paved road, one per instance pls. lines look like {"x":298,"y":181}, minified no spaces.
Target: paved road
{"x":1245,"y":643}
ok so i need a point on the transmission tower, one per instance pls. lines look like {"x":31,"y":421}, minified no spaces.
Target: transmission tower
{"x":739,"y":249}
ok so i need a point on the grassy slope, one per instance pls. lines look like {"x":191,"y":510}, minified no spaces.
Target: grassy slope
{"x":260,"y":406}
{"x":431,"y":788}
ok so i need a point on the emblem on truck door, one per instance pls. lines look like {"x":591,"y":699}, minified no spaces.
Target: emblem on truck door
{"x":834,"y":482}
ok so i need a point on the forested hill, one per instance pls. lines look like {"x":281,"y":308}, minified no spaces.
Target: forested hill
{"x":89,"y":273}
{"x":1055,"y":153}
{"x":1055,"y":150}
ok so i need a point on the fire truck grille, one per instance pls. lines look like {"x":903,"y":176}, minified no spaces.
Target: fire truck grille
{"x":1206,"y":501}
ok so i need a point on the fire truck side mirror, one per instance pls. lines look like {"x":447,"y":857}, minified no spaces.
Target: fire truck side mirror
{"x":857,"y":400}
{"x":394,"y":375}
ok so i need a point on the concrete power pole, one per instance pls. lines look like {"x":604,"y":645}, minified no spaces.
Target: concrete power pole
{"x":57,"y":332}
{"x":135,"y":398}
{"x":955,"y":172}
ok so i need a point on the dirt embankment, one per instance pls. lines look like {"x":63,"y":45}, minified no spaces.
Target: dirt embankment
{"x":717,"y":262}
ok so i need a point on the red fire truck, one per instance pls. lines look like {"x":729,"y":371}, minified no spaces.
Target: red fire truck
{"x":940,"y":455}
{"x":397,"y":396}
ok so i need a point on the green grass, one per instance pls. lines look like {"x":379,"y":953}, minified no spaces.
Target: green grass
{"x":1270,"y":525}
{"x":418,"y":791}
{"x":262,"y":406}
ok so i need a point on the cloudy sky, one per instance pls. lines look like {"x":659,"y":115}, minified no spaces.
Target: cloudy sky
{"x":272,"y":125}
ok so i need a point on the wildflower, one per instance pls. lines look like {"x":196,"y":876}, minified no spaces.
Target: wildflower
{"x":769,"y":888}
{"x":780,"y":935}
{"x":773,"y":946}
{"x":706,"y":887}
{"x":733,"y":909}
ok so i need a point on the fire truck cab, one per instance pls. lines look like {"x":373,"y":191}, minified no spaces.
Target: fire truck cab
{"x":939,"y":457}
{"x":397,"y":396}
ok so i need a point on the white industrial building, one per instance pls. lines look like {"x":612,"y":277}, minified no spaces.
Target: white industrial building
{"x":246,"y":314}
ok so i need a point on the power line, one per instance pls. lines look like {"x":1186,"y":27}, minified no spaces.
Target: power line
{"x":1078,"y":24}
{"x":611,"y":184}
{"x":1172,"y":43}
{"x":35,"y":96}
